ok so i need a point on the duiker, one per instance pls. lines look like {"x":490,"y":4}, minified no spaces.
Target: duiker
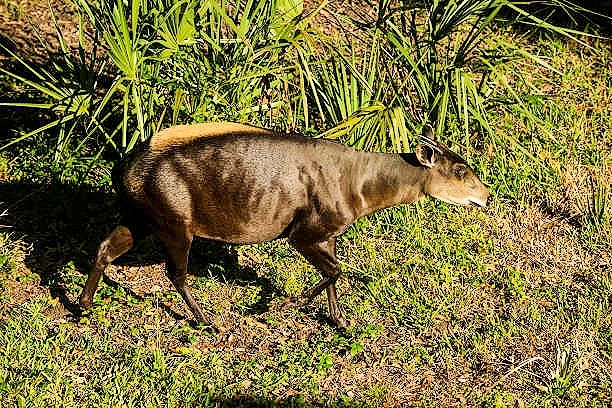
{"x":240,"y":184}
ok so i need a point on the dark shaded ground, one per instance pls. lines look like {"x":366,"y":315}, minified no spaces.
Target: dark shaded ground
{"x":62,"y":224}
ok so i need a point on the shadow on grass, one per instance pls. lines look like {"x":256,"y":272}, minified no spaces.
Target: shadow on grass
{"x":291,"y":402}
{"x":63,"y":224}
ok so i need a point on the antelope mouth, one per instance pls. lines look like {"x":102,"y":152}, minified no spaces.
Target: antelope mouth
{"x":476,"y":203}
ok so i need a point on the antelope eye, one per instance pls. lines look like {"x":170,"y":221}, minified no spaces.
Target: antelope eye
{"x":460,"y":170}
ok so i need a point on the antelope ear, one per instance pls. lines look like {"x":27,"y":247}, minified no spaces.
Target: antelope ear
{"x":428,"y":132}
{"x":426,"y":155}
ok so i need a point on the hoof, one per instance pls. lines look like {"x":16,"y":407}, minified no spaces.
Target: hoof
{"x":340,"y":322}
{"x":209,"y":327}
{"x":202,"y":323}
{"x":85,"y":303}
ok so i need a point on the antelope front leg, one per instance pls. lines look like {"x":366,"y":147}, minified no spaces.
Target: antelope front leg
{"x":323,"y":256}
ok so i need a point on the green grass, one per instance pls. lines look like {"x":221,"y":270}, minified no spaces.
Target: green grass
{"x":433,"y":320}
{"x":503,"y":307}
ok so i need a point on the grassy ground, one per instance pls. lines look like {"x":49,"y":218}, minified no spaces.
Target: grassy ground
{"x":506,"y":307}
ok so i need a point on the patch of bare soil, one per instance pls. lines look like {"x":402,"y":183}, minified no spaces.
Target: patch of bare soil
{"x":534,"y":241}
{"x":26,"y":25}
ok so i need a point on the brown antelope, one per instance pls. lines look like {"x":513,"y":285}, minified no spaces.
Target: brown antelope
{"x":240,"y":184}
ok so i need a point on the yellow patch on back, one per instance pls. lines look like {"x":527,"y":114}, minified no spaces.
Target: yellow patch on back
{"x":181,"y":134}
